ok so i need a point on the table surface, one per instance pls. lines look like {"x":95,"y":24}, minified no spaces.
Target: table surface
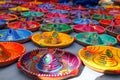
{"x":13,"y":73}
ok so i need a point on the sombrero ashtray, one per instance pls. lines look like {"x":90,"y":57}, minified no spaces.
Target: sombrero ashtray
{"x":53,"y":15}
{"x":103,"y":59}
{"x":29,"y":25}
{"x":58,"y":20}
{"x":10,"y":52}
{"x":84,"y":21}
{"x":52,"y":39}
{"x":8,"y":17}
{"x":62,"y":7}
{"x":19,"y":35}
{"x":93,"y":38}
{"x":49,"y":64}
{"x":57,"y":27}
{"x":89,"y":28}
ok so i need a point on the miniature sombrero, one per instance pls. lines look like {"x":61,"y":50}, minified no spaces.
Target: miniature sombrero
{"x":53,"y":15}
{"x":117,"y":16}
{"x":98,"y":11}
{"x":118,"y":38}
{"x":29,"y":25}
{"x":89,"y":28}
{"x":35,"y":16}
{"x":111,"y":7}
{"x":102,"y":17}
{"x":50,"y":64}
{"x":59,"y":11}
{"x":75,"y":12}
{"x":20,"y":35}
{"x":92,"y":7}
{"x":62,"y":7}
{"x":103,"y":59}
{"x":43,"y":10}
{"x":47,"y":5}
{"x":3,"y":23}
{"x":57,"y":27}
{"x":6,"y":6}
{"x":114,"y":31}
{"x":113,"y":22}
{"x":8,"y":17}
{"x":10,"y":52}
{"x":84,"y":21}
{"x":52,"y":39}
{"x":78,"y":14}
{"x":58,"y":20}
{"x":32,"y":14}
{"x":79,"y":8}
{"x":93,"y":38}
{"x":19,"y":8}
{"x":30,"y":5}
{"x":18,"y":2}
{"x":114,"y":12}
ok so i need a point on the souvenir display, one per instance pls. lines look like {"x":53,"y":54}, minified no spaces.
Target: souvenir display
{"x":57,"y":27}
{"x":10,"y":52}
{"x":103,"y":59}
{"x":29,"y":25}
{"x":89,"y":28}
{"x":50,"y":64}
{"x":52,"y":24}
{"x":93,"y":38}
{"x":52,"y":39}
{"x":20,"y":35}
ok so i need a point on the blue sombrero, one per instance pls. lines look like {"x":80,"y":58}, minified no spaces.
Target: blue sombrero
{"x":59,"y":11}
{"x":84,"y":21}
{"x":20,"y":35}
